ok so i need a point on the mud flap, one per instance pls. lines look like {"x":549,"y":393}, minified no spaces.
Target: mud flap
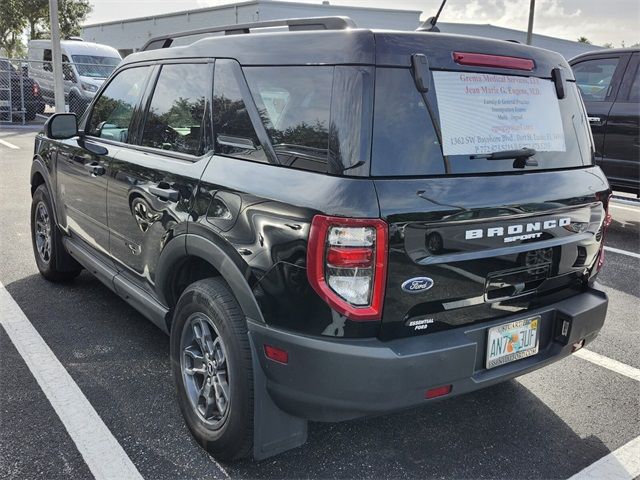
{"x":274,"y":431}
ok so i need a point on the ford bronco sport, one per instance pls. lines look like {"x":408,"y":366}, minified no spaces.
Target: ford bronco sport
{"x":331,"y":222}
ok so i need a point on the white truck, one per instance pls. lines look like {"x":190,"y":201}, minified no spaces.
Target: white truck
{"x":85,"y":67}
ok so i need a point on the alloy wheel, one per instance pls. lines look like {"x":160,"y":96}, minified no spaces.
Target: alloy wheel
{"x":205,"y":370}
{"x":42,"y":232}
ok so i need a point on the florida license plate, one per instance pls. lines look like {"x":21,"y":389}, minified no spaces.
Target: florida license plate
{"x":512,"y":341}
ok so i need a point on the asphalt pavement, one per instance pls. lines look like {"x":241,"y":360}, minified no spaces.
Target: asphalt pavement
{"x":552,"y":423}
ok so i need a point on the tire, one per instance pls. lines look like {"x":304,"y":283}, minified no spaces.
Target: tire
{"x":54,"y":263}
{"x":224,"y":429}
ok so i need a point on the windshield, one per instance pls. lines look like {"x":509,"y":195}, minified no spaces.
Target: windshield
{"x":465,"y":117}
{"x":95,"y":66}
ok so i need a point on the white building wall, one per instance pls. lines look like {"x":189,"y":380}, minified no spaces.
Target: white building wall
{"x":566,"y":48}
{"x":134,"y":33}
{"x":130,"y":35}
{"x":378,"y":18}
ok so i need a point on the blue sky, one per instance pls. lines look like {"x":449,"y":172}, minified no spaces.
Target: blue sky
{"x":601,"y":21}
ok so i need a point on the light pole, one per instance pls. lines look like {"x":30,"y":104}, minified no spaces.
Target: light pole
{"x":56,"y":57}
{"x":532,"y":7}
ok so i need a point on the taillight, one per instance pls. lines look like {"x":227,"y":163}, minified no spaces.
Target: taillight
{"x":603,"y":230}
{"x":36,"y":89}
{"x":347,"y":264}
{"x":496,"y":61}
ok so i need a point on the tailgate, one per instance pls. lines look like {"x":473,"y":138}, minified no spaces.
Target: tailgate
{"x":489,"y":245}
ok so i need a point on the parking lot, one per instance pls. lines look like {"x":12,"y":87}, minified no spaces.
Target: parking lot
{"x":552,"y":423}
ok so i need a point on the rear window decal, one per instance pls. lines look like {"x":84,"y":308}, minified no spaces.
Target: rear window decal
{"x":485,"y":113}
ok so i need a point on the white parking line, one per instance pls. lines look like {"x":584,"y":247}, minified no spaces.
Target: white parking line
{"x":610,"y":363}
{"x":9,"y":145}
{"x":622,"y":464}
{"x":621,"y":207}
{"x":622,"y":252}
{"x":101,"y":451}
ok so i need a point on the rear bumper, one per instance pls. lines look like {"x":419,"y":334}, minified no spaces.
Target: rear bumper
{"x":333,"y":379}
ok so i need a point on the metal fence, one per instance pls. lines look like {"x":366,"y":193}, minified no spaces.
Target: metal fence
{"x":27,"y":87}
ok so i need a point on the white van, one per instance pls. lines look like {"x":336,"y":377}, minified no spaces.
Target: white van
{"x":85,"y":66}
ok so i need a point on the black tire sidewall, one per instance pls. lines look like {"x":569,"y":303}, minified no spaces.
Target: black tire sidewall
{"x":42,"y":195}
{"x":51,"y":270}
{"x":229,"y":440}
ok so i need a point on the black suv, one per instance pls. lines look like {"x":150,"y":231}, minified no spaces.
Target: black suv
{"x":331,"y":222}
{"x":609,"y":81}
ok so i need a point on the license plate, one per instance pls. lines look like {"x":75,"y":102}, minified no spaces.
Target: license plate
{"x":512,"y":341}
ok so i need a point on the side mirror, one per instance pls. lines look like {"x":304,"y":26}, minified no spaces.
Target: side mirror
{"x":61,"y":126}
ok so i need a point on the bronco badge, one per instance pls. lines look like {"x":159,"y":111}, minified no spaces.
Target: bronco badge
{"x":417,"y":285}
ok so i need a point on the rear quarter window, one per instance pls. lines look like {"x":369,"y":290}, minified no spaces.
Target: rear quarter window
{"x":294,"y":105}
{"x":317,"y":118}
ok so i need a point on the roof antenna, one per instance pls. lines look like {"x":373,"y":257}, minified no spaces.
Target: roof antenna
{"x":429,"y":24}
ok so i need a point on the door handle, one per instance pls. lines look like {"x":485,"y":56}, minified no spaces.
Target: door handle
{"x":95,"y":169}
{"x":164,"y":192}
{"x":594,"y":119}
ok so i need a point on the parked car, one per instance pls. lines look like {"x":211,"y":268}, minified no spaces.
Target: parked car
{"x":85,"y":67}
{"x":18,"y":93}
{"x":244,"y":194}
{"x":609,"y":81}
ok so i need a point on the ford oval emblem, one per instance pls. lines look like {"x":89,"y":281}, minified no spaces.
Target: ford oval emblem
{"x":417,"y":285}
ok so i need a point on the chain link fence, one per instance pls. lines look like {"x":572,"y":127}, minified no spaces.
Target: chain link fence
{"x":27,"y":87}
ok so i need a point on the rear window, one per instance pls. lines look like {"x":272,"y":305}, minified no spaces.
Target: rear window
{"x":466,"y":115}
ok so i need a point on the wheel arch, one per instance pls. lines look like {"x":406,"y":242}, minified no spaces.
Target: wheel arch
{"x":189,"y":258}
{"x":39,"y":175}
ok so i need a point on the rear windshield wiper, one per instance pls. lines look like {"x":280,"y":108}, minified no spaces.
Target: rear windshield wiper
{"x":521,"y":157}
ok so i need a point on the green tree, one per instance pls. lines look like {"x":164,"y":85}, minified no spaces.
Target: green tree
{"x":36,"y":16}
{"x":71,"y":14}
{"x":31,"y":17}
{"x":12,"y":24}
{"x":584,"y":40}
{"x":607,"y":45}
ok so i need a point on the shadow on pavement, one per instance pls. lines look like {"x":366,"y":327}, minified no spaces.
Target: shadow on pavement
{"x":121,"y":363}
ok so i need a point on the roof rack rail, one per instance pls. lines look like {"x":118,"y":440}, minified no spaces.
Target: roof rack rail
{"x":294,"y":24}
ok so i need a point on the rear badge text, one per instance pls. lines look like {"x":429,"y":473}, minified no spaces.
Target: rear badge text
{"x":517,"y":232}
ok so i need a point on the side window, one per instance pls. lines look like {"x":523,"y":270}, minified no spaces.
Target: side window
{"x":294,"y":105}
{"x":594,"y":77}
{"x":234,"y":132}
{"x":178,"y":118}
{"x":112,"y":112}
